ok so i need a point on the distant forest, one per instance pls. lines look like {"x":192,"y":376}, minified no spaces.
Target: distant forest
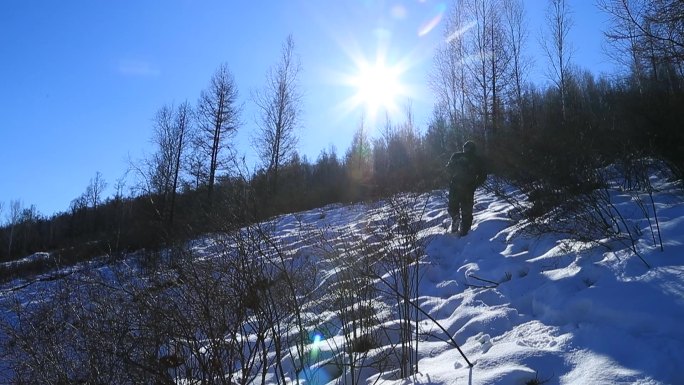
{"x":547,"y":140}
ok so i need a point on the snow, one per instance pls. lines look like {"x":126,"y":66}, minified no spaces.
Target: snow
{"x":539,"y":307}
{"x":522,"y":307}
{"x":35,"y":257}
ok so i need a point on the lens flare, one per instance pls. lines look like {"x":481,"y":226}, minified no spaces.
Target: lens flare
{"x":399,"y":12}
{"x":317,"y":340}
{"x":458,"y":33}
{"x":377,"y":85}
{"x":377,"y":73}
{"x":431,"y":24}
{"x":315,"y":347}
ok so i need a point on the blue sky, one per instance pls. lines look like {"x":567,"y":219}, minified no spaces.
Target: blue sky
{"x":81,"y":80}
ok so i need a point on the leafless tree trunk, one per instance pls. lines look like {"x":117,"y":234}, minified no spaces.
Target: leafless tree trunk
{"x":279,"y":104}
{"x":499,"y":62}
{"x":557,"y":47}
{"x":161,"y":164}
{"x":95,"y":190}
{"x":181,"y":126}
{"x":449,"y":77}
{"x":481,"y":49}
{"x":473,"y":67}
{"x":13,"y":217}
{"x":514,"y":14}
{"x":161,"y":172}
{"x":217,"y":121}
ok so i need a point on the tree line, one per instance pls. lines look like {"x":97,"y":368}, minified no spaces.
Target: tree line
{"x":547,"y":139}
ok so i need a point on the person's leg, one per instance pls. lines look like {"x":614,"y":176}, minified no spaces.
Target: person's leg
{"x":466,"y":213}
{"x":454,"y":210}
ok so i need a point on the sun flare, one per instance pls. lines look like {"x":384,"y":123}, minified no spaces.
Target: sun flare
{"x":378,"y":86}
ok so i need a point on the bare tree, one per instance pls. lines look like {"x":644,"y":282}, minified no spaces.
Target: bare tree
{"x":481,"y":48}
{"x":622,"y":34}
{"x":217,"y":121}
{"x":95,"y":189}
{"x":195,"y":164}
{"x":449,"y":77}
{"x":664,"y":26}
{"x":279,"y":103}
{"x":473,"y":66}
{"x":488,"y":63}
{"x":170,"y":138}
{"x":557,"y":48}
{"x":161,"y":162}
{"x":514,"y":15}
{"x":13,"y":218}
{"x":182,"y":125}
{"x":497,"y":62}
{"x":645,"y":33}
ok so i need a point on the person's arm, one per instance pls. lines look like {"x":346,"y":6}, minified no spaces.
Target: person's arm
{"x":481,"y":172}
{"x":452,"y":161}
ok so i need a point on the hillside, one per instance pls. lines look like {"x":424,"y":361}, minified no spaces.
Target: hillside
{"x":524,"y":308}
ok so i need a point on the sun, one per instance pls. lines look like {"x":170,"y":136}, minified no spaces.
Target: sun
{"x":378,"y":87}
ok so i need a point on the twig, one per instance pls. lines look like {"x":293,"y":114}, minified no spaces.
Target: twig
{"x":483,"y":280}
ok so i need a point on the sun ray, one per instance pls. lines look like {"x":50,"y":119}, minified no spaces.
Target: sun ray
{"x":377,"y":85}
{"x":376,"y":76}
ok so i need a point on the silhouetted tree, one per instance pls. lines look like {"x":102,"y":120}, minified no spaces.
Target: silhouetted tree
{"x":450,"y":79}
{"x":217,"y":122}
{"x":170,"y":139}
{"x":13,"y":217}
{"x":516,"y":41}
{"x":558,"y":49}
{"x":279,"y":104}
{"x":94,"y":191}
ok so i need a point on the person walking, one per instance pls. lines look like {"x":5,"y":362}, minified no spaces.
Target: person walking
{"x":467,"y":173}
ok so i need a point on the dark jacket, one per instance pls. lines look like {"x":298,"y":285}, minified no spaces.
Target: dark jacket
{"x":467,"y":172}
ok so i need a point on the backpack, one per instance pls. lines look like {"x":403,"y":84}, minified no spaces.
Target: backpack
{"x":465,"y":171}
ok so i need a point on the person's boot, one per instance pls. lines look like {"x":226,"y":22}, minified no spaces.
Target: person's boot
{"x":454,"y":225}
{"x":465,"y":225}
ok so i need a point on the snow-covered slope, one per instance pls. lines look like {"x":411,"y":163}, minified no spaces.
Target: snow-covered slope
{"x":524,"y":309}
{"x":544,"y":308}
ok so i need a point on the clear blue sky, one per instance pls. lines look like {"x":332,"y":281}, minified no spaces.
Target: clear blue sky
{"x":81,"y":80}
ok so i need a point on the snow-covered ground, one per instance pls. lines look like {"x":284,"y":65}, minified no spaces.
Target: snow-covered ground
{"x":525,"y":309}
{"x":544,"y":308}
